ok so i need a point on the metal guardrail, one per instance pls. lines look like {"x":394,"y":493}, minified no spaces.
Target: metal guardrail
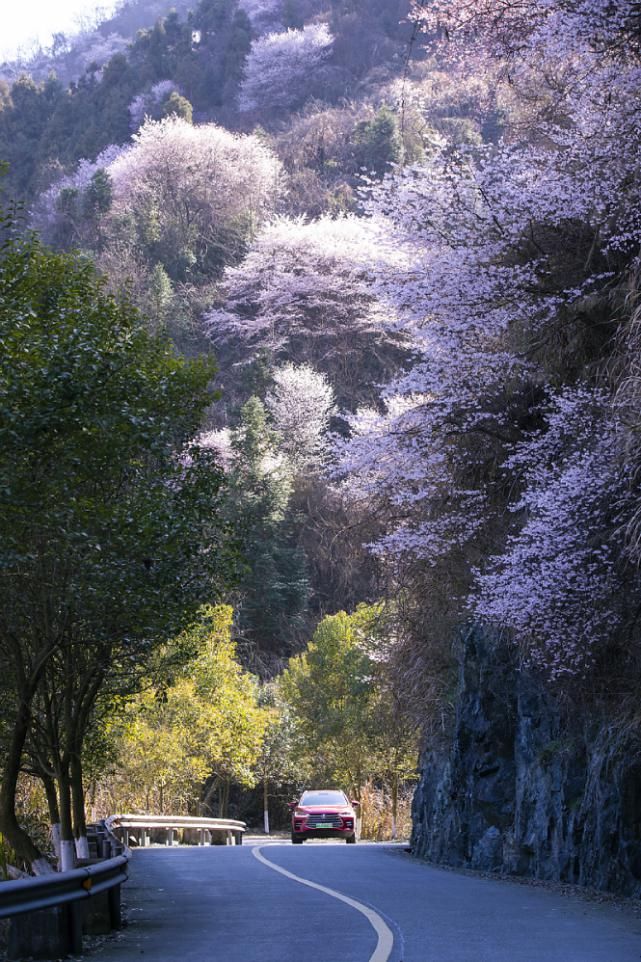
{"x":60,"y":888}
{"x":174,"y":821}
{"x":50,"y":914}
{"x":170,"y":823}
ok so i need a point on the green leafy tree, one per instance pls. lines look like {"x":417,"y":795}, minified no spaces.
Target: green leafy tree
{"x":328,"y":691}
{"x":350,"y":725}
{"x":110,"y":528}
{"x":185,"y":742}
{"x":98,"y":195}
{"x":25,"y":117}
{"x":236,"y":724}
{"x":276,"y":767}
{"x":160,"y":295}
{"x":178,"y":106}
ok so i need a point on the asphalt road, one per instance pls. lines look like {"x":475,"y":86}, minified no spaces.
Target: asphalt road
{"x":228,"y":905}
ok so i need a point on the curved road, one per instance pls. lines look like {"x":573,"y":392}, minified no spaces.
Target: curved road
{"x":365,"y":903}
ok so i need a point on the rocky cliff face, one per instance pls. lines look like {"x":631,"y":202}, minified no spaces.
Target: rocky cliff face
{"x":526,"y":788}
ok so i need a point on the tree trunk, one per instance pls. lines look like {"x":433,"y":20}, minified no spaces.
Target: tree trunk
{"x":266,"y":804}
{"x":78,"y":802}
{"x":394,"y":805}
{"x":67,"y":847}
{"x":17,"y":838}
{"x":224,"y":798}
{"x":358,"y":811}
{"x":54,"y":811}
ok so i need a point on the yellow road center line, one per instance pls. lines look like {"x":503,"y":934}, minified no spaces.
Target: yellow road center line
{"x":385,"y":943}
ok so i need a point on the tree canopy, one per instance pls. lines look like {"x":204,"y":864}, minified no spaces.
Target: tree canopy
{"x":203,"y":726}
{"x":347,"y":725}
{"x":110,"y":522}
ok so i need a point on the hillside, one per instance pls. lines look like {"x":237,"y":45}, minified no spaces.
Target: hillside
{"x":56,"y":113}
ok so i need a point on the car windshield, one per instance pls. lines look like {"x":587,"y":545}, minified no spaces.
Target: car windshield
{"x":323,"y":798}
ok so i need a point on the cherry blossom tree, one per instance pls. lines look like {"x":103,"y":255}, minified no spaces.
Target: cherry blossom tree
{"x":301,"y":403}
{"x":558,"y":583}
{"x":514,"y":254}
{"x":304,"y":294}
{"x":191,"y":196}
{"x":282,"y":69}
{"x":508,"y":28}
{"x":188,"y":198}
{"x":262,"y":13}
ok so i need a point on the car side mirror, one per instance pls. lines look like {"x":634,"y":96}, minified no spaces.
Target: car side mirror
{"x":355,"y":804}
{"x":292,"y":805}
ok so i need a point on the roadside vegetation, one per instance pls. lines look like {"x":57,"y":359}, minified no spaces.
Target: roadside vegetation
{"x":205,"y":730}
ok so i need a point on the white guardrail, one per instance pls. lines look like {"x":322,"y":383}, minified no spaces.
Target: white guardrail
{"x":130,"y":827}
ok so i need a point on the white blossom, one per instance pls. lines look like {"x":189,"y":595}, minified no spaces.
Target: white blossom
{"x":282,"y":67}
{"x":301,"y":404}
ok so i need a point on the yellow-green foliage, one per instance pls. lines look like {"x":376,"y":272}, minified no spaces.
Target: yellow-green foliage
{"x":206,"y":722}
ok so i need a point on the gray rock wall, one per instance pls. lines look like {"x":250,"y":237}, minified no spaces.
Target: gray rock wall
{"x":526,"y":788}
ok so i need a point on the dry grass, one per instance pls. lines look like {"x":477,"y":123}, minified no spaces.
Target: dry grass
{"x":376,"y":814}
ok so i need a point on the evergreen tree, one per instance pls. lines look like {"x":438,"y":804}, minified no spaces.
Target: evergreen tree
{"x":377,"y":142}
{"x":177,"y":106}
{"x":274,"y":589}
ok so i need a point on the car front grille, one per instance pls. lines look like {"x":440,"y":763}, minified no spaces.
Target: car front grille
{"x":313,"y":821}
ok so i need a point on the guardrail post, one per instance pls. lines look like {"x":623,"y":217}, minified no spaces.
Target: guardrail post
{"x":115,"y":911}
{"x":75,"y":912}
{"x":201,"y":836}
{"x":170,"y":836}
{"x":93,"y":838}
{"x":239,"y":838}
{"x":96,"y":913}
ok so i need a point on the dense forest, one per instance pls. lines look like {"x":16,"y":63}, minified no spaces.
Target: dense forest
{"x":321,"y":383}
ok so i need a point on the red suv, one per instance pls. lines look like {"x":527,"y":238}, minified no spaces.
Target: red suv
{"x":323,"y":814}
